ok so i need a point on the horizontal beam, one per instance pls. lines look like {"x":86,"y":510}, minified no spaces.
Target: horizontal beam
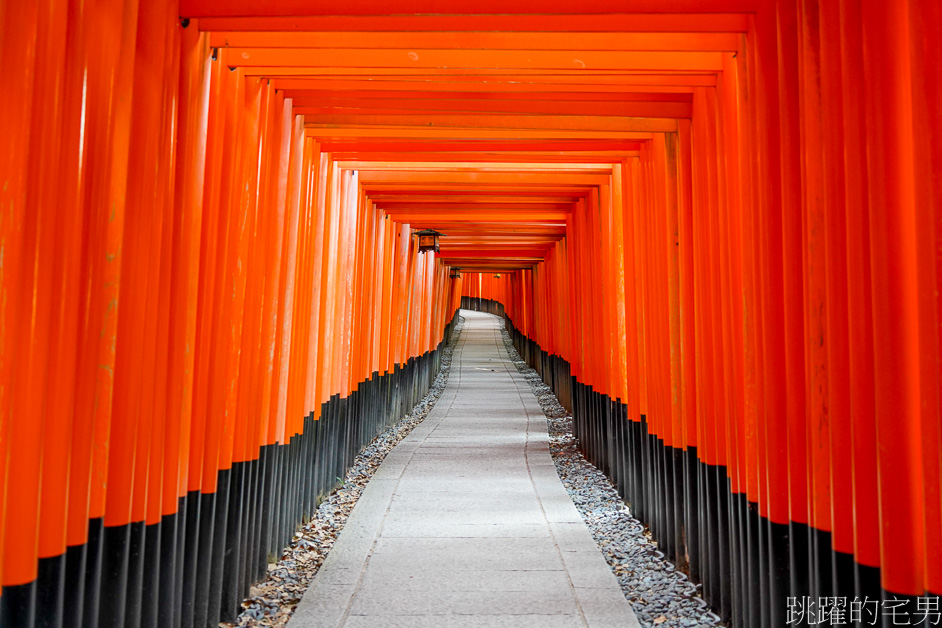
{"x":522,"y":167}
{"x":534,"y":255}
{"x":353,"y":107}
{"x":507,"y":231}
{"x":496,"y":266}
{"x":394,"y":192}
{"x":339,"y":97}
{"x":298,"y":85}
{"x":414,"y":148}
{"x":473,"y":177}
{"x":464,"y":241}
{"x":392,"y":208}
{"x":353,"y":159}
{"x":498,"y":230}
{"x":221,"y":15}
{"x":439,"y":188}
{"x":558,"y":218}
{"x":476,"y":60}
{"x":469,"y":196}
{"x":585,"y":76}
{"x":624,"y":41}
{"x":332,"y":132}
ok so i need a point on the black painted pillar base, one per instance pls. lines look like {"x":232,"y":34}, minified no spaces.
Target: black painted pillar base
{"x":18,"y":605}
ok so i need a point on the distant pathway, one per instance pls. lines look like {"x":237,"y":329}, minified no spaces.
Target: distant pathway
{"x":466,"y":524}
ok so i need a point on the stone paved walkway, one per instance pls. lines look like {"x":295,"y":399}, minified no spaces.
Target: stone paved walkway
{"x":466,"y":523}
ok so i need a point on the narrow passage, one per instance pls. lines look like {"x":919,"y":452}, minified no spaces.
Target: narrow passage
{"x":466,"y":522}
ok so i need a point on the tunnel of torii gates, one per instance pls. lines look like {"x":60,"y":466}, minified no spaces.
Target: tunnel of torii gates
{"x":712,"y":225}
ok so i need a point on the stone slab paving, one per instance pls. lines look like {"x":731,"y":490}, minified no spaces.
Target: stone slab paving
{"x":466,"y":522}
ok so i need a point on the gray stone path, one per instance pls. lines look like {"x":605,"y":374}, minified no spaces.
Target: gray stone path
{"x":466,"y":522}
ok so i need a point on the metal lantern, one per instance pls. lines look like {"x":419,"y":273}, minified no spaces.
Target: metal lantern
{"x":455,"y":273}
{"x":428,"y":240}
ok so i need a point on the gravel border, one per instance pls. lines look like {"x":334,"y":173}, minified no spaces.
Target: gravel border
{"x":272,"y":602}
{"x":660,"y":595}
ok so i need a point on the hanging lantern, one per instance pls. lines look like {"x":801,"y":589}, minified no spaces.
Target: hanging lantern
{"x":428,"y":240}
{"x":455,"y":273}
{"x":497,"y":276}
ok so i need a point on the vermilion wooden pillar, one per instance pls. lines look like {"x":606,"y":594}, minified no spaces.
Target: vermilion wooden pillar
{"x":894,"y":276}
{"x":768,"y":212}
{"x":924,"y":20}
